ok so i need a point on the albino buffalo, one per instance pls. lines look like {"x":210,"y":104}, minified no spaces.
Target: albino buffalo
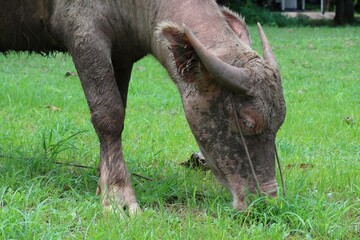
{"x":232,"y":98}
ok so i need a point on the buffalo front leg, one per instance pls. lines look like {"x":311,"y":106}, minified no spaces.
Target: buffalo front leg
{"x":92,"y":58}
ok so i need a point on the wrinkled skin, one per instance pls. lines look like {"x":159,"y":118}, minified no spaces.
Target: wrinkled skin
{"x":105,"y":38}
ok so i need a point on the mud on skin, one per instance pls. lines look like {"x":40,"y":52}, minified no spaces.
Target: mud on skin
{"x":206,"y":50}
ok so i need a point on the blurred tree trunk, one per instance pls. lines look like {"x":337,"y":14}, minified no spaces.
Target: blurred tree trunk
{"x":222,"y":2}
{"x":344,"y":12}
{"x":226,"y":2}
{"x":261,"y":3}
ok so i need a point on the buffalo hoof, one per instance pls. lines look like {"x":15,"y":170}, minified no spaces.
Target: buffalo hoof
{"x":134,"y":210}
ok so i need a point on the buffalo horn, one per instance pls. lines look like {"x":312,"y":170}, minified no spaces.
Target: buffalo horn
{"x":268,"y":55}
{"x":233,"y":78}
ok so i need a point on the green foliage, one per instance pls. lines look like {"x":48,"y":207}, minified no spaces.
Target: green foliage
{"x":45,"y":126}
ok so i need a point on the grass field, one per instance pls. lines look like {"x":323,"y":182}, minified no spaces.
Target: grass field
{"x":45,"y":123}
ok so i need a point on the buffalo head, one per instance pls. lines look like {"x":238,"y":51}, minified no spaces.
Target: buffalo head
{"x":233,"y":100}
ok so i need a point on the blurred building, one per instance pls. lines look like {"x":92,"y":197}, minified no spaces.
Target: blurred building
{"x":301,"y":5}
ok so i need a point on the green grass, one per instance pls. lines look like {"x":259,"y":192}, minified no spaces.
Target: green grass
{"x":319,"y":145}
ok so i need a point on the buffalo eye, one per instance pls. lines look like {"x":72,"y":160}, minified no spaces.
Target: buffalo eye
{"x":251,"y":121}
{"x":248,"y":123}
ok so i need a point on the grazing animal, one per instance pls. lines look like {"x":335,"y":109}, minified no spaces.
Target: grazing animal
{"x":232,"y":98}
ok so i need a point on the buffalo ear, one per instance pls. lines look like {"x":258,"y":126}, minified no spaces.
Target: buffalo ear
{"x":185,"y":58}
{"x":237,"y":24}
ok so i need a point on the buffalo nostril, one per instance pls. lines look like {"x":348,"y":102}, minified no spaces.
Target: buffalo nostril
{"x":270,"y":188}
{"x":272,"y":194}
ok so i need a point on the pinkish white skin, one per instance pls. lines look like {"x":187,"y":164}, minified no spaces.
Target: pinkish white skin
{"x":207,"y":52}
